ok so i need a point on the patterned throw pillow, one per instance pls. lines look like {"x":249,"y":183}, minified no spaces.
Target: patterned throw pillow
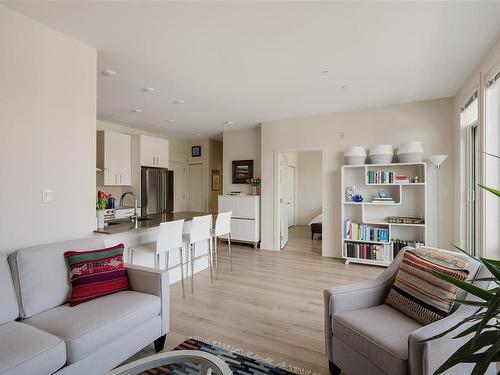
{"x":96,"y":273}
{"x":421,"y":295}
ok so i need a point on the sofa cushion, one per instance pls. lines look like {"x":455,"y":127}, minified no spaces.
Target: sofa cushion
{"x":89,"y":326}
{"x":379,"y":334}
{"x":9,"y":310}
{"x":96,"y":273}
{"x":40,"y":274}
{"x":27,"y":350}
{"x":418,"y":292}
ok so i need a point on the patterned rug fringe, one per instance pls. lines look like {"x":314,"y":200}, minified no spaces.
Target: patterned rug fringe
{"x":270,"y":361}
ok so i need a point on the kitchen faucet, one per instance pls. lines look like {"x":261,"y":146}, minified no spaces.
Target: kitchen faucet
{"x":134,"y":216}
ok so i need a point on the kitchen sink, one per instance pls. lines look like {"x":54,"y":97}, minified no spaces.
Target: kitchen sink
{"x":126,"y":221}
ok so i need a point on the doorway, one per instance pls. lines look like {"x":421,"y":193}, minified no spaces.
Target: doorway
{"x":300,"y":192}
{"x":195,"y":189}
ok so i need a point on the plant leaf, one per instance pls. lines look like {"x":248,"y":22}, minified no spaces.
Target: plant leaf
{"x":491,"y":190}
{"x":495,"y":271}
{"x":471,"y":303}
{"x":478,"y":292}
{"x":482,"y":366}
{"x":463,"y":251}
{"x":495,"y":156}
{"x":470,"y":330}
{"x":491,"y":312}
{"x":466,"y":320}
{"x":470,"y":347}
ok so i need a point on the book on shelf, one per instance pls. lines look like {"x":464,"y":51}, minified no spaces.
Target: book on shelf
{"x":380,"y":177}
{"x":397,"y":245}
{"x":363,"y":232}
{"x":366,"y":251}
{"x":383,"y":200}
{"x":405,"y":220}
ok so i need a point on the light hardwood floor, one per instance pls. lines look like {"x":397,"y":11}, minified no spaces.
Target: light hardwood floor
{"x":270,"y":305}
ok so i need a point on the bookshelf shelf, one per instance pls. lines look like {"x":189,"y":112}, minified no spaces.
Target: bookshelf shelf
{"x":408,"y":202}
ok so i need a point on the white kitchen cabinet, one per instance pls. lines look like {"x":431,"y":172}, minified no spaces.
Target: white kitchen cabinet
{"x":114,"y":158}
{"x":153,"y":151}
{"x":245,"y":219}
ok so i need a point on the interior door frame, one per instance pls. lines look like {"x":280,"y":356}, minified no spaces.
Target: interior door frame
{"x":324,"y":196}
{"x":294,"y":216}
{"x":188,"y":182}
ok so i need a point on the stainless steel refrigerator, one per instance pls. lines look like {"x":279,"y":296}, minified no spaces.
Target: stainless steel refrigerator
{"x":157,"y":191}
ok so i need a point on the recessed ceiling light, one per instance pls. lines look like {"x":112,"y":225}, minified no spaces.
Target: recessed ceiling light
{"x":179,"y":101}
{"x":171,"y":120}
{"x":228,"y":122}
{"x":324,"y":71}
{"x":108,"y":72}
{"x":198,"y":134}
{"x":345,"y":87}
{"x":137,"y":110}
{"x":148,"y":89}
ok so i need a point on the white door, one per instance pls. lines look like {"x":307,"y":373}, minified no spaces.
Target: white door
{"x":290,"y":200}
{"x":180,"y":175}
{"x":195,"y":188}
{"x":283,"y":205}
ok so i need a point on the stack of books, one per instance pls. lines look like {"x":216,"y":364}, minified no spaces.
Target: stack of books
{"x":401,"y":179}
{"x":365,"y":251}
{"x":397,"y":245}
{"x":380,"y":177}
{"x":383,"y":200}
{"x":362,"y":232}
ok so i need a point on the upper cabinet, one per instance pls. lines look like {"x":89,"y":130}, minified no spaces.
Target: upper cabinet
{"x":114,"y":157}
{"x":153,"y":151}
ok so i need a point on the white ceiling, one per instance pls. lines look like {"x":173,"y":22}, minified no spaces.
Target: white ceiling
{"x":249,"y":62}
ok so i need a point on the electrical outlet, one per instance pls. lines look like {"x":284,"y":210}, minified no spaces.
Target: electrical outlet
{"x":46,"y":196}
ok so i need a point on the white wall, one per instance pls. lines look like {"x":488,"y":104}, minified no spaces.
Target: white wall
{"x":309,"y":186}
{"x":48,"y":123}
{"x":476,"y":82}
{"x":428,"y":121}
{"x":240,"y":145}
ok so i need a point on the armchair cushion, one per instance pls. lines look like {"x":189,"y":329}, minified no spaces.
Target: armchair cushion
{"x":420,"y":294}
{"x":379,"y":334}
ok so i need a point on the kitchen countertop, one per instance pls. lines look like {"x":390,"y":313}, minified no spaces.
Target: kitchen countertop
{"x":150,"y":221}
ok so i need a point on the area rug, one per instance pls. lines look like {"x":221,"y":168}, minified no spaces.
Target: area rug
{"x":238,"y":361}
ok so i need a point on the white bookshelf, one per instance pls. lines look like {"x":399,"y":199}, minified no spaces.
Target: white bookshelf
{"x":410,"y":200}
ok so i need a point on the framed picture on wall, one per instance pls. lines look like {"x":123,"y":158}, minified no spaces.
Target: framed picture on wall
{"x":195,"y":151}
{"x":242,"y":171}
{"x":215,"y":181}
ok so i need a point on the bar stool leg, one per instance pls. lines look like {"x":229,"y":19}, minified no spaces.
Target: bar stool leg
{"x":191,"y":246}
{"x":167,"y":259}
{"x":210,"y":260}
{"x":230,"y":252}
{"x":157,"y":261}
{"x":182,"y":272}
{"x":216,"y":248}
{"x":131,"y":255}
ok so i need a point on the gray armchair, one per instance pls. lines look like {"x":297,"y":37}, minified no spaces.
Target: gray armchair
{"x":365,"y":336}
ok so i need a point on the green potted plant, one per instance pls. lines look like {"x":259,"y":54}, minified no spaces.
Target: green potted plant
{"x":254,"y":183}
{"x":484,"y":346}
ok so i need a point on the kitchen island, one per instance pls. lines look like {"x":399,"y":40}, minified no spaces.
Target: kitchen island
{"x":146,"y":222}
{"x":145,"y":230}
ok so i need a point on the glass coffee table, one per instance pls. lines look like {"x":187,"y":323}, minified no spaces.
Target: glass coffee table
{"x":208,"y":363}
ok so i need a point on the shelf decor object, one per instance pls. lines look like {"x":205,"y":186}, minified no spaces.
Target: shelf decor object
{"x":411,"y":152}
{"x":355,"y":155}
{"x":381,"y":154}
{"x":436,"y":161}
{"x":369,"y":229}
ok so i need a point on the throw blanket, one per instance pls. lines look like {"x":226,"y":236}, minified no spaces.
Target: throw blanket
{"x":317,"y":219}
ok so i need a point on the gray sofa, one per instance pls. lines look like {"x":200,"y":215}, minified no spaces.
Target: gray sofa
{"x":365,"y":336}
{"x":41,"y":334}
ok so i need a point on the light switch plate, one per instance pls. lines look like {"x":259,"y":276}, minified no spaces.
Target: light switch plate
{"x":46,"y":196}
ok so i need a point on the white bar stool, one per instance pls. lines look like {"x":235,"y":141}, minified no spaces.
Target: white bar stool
{"x":222,"y":230}
{"x":169,"y":239}
{"x":201,"y":230}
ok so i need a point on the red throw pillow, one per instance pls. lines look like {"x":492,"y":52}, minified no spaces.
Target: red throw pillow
{"x":96,"y":273}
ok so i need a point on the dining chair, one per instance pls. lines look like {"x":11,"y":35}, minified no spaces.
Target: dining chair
{"x":169,"y":239}
{"x":200,"y":231}
{"x":222,"y":230}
